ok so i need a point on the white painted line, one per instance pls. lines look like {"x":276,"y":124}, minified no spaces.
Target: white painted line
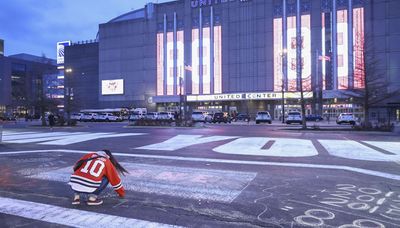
{"x":190,"y":183}
{"x":68,"y":216}
{"x":284,"y":164}
{"x":44,"y":138}
{"x":82,"y":138}
{"x":393,"y":147}
{"x":282,"y":147}
{"x":355,"y":150}
{"x":16,"y":132}
{"x":35,"y":135}
{"x":182,"y":141}
{"x":60,"y":138}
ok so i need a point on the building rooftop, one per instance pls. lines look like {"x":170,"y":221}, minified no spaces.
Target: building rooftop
{"x":34,"y":58}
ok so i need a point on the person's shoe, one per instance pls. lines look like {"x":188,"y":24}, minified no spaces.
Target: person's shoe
{"x":94,"y":201}
{"x":76,"y":200}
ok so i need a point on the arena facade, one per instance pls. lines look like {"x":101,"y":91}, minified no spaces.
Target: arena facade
{"x":241,"y":55}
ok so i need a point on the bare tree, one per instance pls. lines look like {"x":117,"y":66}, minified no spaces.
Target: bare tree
{"x":42,"y":102}
{"x":371,"y":87}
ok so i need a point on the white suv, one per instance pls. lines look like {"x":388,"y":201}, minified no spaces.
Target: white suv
{"x":199,"y":117}
{"x":77,"y":116}
{"x":90,"y":117}
{"x":166,"y":116}
{"x":108,"y":117}
{"x":136,"y":116}
{"x":294,"y":117}
{"x":346,"y":118}
{"x":263,"y":116}
{"x":152,"y":115}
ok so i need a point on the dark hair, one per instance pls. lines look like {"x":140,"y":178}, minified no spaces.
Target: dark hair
{"x":114,"y":161}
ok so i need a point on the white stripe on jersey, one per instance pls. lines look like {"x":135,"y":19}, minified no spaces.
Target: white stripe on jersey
{"x":85,"y":179}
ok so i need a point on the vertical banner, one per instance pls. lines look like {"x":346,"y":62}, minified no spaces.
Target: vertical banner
{"x":358,"y":48}
{"x":206,"y":60}
{"x":323,"y":52}
{"x":170,"y":63}
{"x":160,"y":64}
{"x":306,"y":52}
{"x":291,"y":53}
{"x":278,"y":47}
{"x":342,"y":50}
{"x":180,"y":63}
{"x":195,"y":61}
{"x":217,"y":60}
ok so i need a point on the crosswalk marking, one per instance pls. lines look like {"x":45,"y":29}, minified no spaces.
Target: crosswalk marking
{"x":282,"y":147}
{"x":227,"y":161}
{"x":68,"y":216}
{"x":183,"y":182}
{"x":39,"y":138}
{"x":354,"y":150}
{"x":59,"y":138}
{"x":182,"y":141}
{"x":82,"y":138}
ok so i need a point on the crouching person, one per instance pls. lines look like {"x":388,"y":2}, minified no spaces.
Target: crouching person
{"x":92,"y":173}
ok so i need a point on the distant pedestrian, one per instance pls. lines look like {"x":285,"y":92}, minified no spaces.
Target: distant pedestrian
{"x":51,"y":120}
{"x":92,"y":173}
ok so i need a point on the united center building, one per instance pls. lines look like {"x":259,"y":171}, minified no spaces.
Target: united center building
{"x":237,"y":55}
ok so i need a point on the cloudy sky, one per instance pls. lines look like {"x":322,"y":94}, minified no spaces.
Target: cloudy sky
{"x":35,"y":26}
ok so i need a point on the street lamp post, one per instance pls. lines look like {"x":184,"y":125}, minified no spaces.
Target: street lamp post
{"x":283,"y":58}
{"x":68,"y":72}
{"x":180,"y":99}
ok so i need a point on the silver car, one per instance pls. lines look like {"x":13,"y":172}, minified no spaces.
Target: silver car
{"x":263,"y":117}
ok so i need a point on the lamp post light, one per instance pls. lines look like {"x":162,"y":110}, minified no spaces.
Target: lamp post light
{"x":283,"y":54}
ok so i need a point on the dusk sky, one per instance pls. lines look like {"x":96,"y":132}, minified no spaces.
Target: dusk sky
{"x":35,"y":26}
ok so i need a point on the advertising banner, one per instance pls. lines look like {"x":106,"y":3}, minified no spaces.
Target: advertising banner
{"x":112,"y":87}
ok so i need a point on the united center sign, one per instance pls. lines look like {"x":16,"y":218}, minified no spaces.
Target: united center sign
{"x":201,"y":3}
{"x":247,"y":96}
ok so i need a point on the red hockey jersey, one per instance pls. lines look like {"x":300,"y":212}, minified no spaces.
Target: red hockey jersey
{"x":87,"y":178}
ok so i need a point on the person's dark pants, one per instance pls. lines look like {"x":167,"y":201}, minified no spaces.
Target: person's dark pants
{"x":103,"y":185}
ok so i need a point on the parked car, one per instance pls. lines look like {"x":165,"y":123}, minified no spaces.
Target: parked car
{"x":152,"y":116}
{"x":219,"y":117}
{"x":242,"y":117}
{"x":90,"y":117}
{"x":263,"y":117}
{"x":77,"y":116}
{"x":166,"y":116}
{"x":108,"y":117}
{"x":8,"y":117}
{"x":313,"y":117}
{"x":136,"y":116}
{"x":209,"y":117}
{"x":198,"y":116}
{"x":347,"y":118}
{"x":294,"y":117}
